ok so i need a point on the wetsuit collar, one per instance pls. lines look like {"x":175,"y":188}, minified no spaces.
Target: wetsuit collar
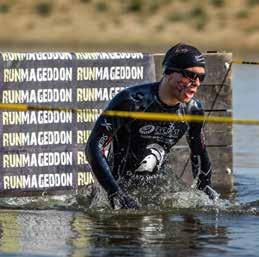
{"x":162,"y":104}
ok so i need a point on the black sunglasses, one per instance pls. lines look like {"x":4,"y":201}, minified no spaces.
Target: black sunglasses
{"x":188,"y":74}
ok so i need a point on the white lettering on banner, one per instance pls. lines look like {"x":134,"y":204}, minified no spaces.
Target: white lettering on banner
{"x":36,"y":117}
{"x":104,"y":56}
{"x":88,"y":115}
{"x":37,"y":96}
{"x":81,"y":158}
{"x":37,"y":138}
{"x":37,"y":159}
{"x":41,"y":56}
{"x":110,"y":73}
{"x":38,"y":181}
{"x":82,"y":136}
{"x":38,"y":74}
{"x":97,"y":94}
{"x":84,"y":178}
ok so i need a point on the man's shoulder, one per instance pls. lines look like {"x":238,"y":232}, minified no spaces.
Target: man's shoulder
{"x":137,"y":89}
{"x":137,"y":93}
{"x":133,"y":94}
{"x":143,"y":88}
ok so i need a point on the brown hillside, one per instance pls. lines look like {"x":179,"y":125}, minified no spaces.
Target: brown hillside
{"x":145,"y":25}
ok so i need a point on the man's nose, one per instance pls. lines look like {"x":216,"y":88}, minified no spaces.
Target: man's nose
{"x":196,"y":82}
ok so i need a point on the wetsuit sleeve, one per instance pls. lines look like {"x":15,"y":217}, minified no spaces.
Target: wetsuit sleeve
{"x":201,"y":165}
{"x":101,"y":135}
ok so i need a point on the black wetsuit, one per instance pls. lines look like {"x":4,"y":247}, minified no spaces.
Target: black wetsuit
{"x":139,"y":147}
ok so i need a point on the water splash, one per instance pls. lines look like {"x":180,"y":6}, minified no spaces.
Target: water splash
{"x":171,"y":194}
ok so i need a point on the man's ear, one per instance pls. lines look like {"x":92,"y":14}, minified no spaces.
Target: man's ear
{"x":170,"y":76}
{"x":166,"y":77}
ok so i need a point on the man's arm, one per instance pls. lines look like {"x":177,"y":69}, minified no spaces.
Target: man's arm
{"x":101,"y":135}
{"x":95,"y":147}
{"x":201,"y":165}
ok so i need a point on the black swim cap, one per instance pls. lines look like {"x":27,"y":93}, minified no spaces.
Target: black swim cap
{"x":182,"y":56}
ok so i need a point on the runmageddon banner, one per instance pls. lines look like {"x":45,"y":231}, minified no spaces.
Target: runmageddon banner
{"x":43,"y":151}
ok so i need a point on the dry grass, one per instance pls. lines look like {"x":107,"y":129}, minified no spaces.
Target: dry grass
{"x":132,"y":24}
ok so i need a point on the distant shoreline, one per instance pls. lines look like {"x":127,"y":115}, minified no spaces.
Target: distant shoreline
{"x":35,"y":46}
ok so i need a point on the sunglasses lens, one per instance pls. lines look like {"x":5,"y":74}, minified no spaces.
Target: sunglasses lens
{"x":193,"y":75}
{"x":188,"y":74}
{"x":201,"y":77}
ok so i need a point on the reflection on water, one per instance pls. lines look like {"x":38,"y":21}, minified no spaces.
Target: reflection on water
{"x":55,"y":233}
{"x":35,"y":232}
{"x":183,"y":232}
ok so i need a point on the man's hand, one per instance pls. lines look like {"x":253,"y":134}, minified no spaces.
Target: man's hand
{"x":204,"y":184}
{"x":213,"y":195}
{"x":121,"y":200}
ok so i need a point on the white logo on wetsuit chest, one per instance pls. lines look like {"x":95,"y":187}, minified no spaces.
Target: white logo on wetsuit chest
{"x":159,"y":130}
{"x":148,"y":129}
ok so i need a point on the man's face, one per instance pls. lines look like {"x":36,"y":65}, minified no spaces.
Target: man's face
{"x":184,"y":87}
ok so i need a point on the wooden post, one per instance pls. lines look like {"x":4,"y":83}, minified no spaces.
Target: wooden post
{"x":218,"y":136}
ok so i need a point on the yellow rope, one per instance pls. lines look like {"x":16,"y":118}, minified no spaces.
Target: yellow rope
{"x":139,"y":115}
{"x":26,"y":107}
{"x":175,"y":117}
{"x":245,"y":62}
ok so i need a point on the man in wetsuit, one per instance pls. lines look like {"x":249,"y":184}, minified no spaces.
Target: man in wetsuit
{"x":139,"y":147}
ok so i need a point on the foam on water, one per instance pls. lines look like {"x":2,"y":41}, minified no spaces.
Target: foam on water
{"x":40,"y":202}
{"x":180,"y":196}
